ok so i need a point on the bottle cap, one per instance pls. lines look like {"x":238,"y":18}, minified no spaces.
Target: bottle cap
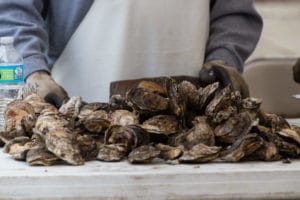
{"x":6,"y":40}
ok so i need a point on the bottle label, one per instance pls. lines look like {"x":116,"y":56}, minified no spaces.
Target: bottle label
{"x":11,"y":73}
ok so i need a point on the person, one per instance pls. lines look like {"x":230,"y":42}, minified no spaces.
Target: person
{"x":296,"y":71}
{"x":86,"y":44}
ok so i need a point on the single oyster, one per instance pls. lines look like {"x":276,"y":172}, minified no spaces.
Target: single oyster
{"x":285,"y":148}
{"x":88,"y":109}
{"x":38,"y":103}
{"x":200,"y":133}
{"x":206,"y":94}
{"x":168,"y":152}
{"x":49,"y":121}
{"x":88,"y":147}
{"x":274,"y":121}
{"x":118,"y":102}
{"x":18,"y":147}
{"x":200,"y":153}
{"x":289,"y":133}
{"x":143,"y":154}
{"x":242,"y":147}
{"x":123,"y":118}
{"x":267,"y":152}
{"x":234,"y":127}
{"x":189,"y":90}
{"x":161,"y":124}
{"x":41,"y":157}
{"x":112,"y":152}
{"x":97,"y":121}
{"x":131,"y":136}
{"x":146,"y":101}
{"x":177,"y":100}
{"x":64,"y":145}
{"x":152,"y":87}
{"x":19,"y":120}
{"x":223,"y":105}
{"x":71,"y":108}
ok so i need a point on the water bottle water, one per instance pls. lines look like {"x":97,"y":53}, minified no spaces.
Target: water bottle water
{"x":11,"y":75}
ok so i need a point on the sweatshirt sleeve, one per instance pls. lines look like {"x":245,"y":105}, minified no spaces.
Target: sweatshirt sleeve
{"x":235,"y":28}
{"x":23,"y":20}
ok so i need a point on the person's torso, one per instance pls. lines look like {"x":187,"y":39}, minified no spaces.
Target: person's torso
{"x":63,"y":18}
{"x":125,"y":39}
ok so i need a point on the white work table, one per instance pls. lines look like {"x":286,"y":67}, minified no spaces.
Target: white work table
{"x":100,"y":180}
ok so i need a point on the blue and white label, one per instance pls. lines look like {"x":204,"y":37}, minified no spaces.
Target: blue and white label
{"x":11,"y":73}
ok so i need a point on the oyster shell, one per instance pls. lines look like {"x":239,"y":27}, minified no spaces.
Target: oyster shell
{"x":162,"y":124}
{"x":71,"y":108}
{"x":206,"y":94}
{"x":153,"y":87}
{"x":190,"y":91}
{"x":267,"y":152}
{"x":242,"y":147}
{"x":88,"y":147}
{"x":143,"y":154}
{"x":145,"y":101}
{"x":223,"y":105}
{"x":200,"y":133}
{"x":168,"y":152}
{"x":41,"y":157}
{"x":18,"y":147}
{"x":200,"y":153}
{"x":97,"y":121}
{"x":112,"y":152}
{"x":64,"y":145}
{"x":234,"y":127}
{"x":38,"y":103}
{"x":290,"y":133}
{"x":49,"y":121}
{"x":118,"y":102}
{"x":123,"y":118}
{"x":177,"y":100}
{"x":131,"y":136}
{"x":88,"y":109}
{"x":285,"y":148}
{"x":19,"y":120}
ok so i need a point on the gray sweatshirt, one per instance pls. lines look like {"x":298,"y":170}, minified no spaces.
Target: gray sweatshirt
{"x":42,"y":29}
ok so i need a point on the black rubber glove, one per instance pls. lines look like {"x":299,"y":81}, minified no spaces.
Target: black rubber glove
{"x":47,"y":88}
{"x":217,"y":70}
{"x":296,"y":71}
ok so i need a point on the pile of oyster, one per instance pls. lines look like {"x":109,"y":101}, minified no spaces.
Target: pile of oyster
{"x":173,"y":122}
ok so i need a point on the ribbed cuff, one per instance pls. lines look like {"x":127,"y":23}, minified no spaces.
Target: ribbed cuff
{"x":227,"y":56}
{"x":33,"y":64}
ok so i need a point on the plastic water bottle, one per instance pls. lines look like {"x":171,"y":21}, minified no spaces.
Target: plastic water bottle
{"x":11,"y":75}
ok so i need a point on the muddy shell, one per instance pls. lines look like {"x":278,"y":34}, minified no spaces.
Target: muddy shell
{"x":41,"y":157}
{"x":88,"y":147}
{"x":143,"y":154}
{"x":123,"y":118}
{"x":162,"y":124}
{"x":244,"y":146}
{"x":112,"y":152}
{"x":234,"y":127}
{"x":64,"y":145}
{"x":97,"y":121}
{"x":200,"y":153}
{"x":145,"y":101}
{"x":18,"y":147}
{"x":131,"y":136}
{"x":200,"y":133}
{"x":169,"y":152}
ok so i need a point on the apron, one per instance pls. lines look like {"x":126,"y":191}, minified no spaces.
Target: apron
{"x":127,"y":39}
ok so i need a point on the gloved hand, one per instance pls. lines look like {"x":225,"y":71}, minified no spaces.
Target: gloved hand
{"x":296,"y":71}
{"x":47,"y":88}
{"x":217,"y":70}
